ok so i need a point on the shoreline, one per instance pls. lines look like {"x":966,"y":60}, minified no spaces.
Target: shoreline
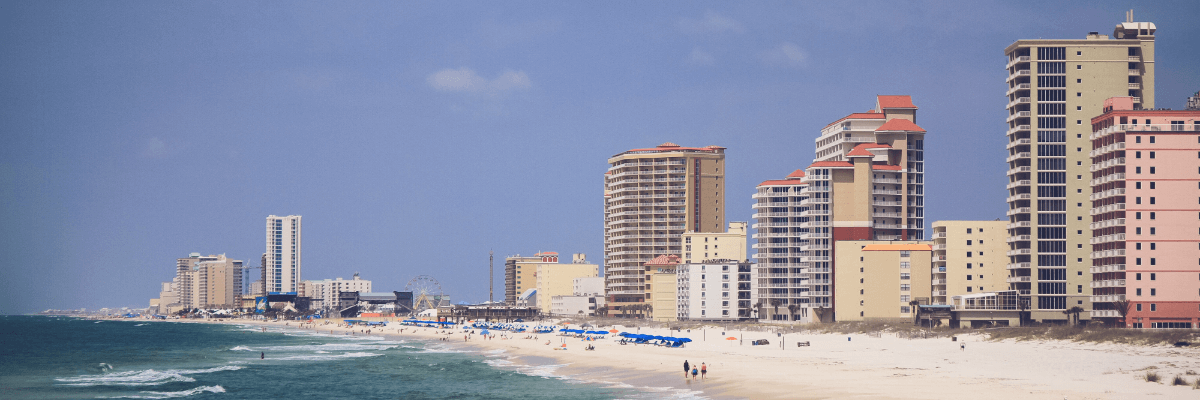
{"x":838,"y":365}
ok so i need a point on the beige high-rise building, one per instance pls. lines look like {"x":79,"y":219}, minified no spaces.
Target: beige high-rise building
{"x":1055,"y":87}
{"x":651,"y":197}
{"x":880,"y":280}
{"x":558,"y":279}
{"x":728,"y":245}
{"x":281,"y":263}
{"x":207,"y":281}
{"x":968,"y":258}
{"x":867,"y":184}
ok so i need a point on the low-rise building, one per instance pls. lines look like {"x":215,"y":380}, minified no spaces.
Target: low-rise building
{"x":558,"y":279}
{"x":324,"y":293}
{"x":880,"y":280}
{"x":662,"y":288}
{"x":728,"y":245}
{"x":716,"y":290}
{"x":968,"y":258}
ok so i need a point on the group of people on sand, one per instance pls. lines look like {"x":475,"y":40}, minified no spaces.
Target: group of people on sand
{"x":701,"y":370}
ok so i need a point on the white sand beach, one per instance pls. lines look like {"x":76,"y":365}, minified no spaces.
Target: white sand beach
{"x":849,"y":366}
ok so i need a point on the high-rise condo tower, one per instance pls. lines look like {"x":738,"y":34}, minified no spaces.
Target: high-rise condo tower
{"x":281,"y":263}
{"x":1054,"y":88}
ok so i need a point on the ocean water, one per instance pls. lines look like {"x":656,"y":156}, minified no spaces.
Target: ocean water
{"x":71,"y":358}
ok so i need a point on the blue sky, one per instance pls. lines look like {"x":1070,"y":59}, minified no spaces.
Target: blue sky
{"x":414,"y":137}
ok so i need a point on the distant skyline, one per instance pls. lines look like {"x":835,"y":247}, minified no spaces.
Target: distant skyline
{"x":416,"y":137}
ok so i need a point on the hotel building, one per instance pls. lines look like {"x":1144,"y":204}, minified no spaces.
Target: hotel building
{"x":1054,"y":87}
{"x":1145,"y":186}
{"x":867,"y":184}
{"x":281,"y":263}
{"x":520,"y":273}
{"x":968,"y":258}
{"x":651,"y":197}
{"x":324,"y":293}
{"x":661,"y":275}
{"x":206,"y":282}
{"x":880,"y":280}
{"x":555,"y":279}
{"x":730,"y":244}
{"x":716,"y":290}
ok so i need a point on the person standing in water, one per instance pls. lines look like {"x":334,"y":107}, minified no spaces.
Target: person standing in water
{"x":262,"y":356}
{"x":686,"y":368}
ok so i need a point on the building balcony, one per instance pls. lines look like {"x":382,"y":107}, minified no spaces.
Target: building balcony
{"x":1018,"y":210}
{"x":1108,"y":208}
{"x":1135,"y":86}
{"x":1017,"y":279}
{"x":1018,"y":74}
{"x":1108,"y":178}
{"x":939,"y":235}
{"x":1100,"y":269}
{"x":1107,"y":149}
{"x":1018,"y":252}
{"x":1107,"y":223}
{"x":1018,"y":224}
{"x":1107,"y":283}
{"x":1019,"y":170}
{"x":1017,"y":156}
{"x":1135,"y":58}
{"x":938,"y":282}
{"x":1134,"y":72}
{"x":1018,"y":238}
{"x":1018,"y":142}
{"x":1018,"y":196}
{"x":1018,"y":128}
{"x":886,"y":203}
{"x":1016,"y":88}
{"x":1116,"y":237}
{"x":1017,"y":60}
{"x":1113,"y":162}
{"x":1105,"y":314}
{"x":1023,"y":182}
{"x":1020,"y":265}
{"x":1137,"y":100}
{"x":1018,"y":114}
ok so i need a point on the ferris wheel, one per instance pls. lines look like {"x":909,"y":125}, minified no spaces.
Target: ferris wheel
{"x":427,"y":293}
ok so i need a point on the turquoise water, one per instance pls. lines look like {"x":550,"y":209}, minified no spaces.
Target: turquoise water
{"x":69,"y":358}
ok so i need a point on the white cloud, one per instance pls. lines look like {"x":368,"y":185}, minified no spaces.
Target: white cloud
{"x":155,"y":148}
{"x":710,"y":23}
{"x":467,"y":81}
{"x":786,"y":55}
{"x":700,"y":57}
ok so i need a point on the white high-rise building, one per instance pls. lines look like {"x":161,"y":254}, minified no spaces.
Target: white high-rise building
{"x":281,"y":263}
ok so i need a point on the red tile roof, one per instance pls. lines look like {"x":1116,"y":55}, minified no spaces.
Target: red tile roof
{"x":867,"y":115}
{"x":664,"y":259}
{"x":797,"y":174}
{"x":861,"y":150}
{"x":899,"y":124}
{"x":547,"y":253}
{"x":783,"y":182}
{"x":886,"y":167}
{"x":895,"y":102}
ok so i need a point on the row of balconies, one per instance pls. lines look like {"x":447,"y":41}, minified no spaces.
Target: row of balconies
{"x":1112,"y":162}
{"x":640,"y":204}
{"x":1105,"y":314}
{"x":1116,"y":237}
{"x":1107,"y":298}
{"x":614,"y":192}
{"x":1016,"y":60}
{"x":622,"y":237}
{"x":1018,"y":142}
{"x":1017,"y":74}
{"x":1014,"y":88}
{"x":1018,"y":128}
{"x":1109,"y":178}
{"x":649,"y":180}
{"x":648,"y":172}
{"x":1108,"y":283}
{"x":1023,"y":182}
{"x":893,"y":192}
{"x":1019,"y":169}
{"x":814,"y":200}
{"x":635,"y":220}
{"x":767,"y":194}
{"x":895,"y":181}
{"x":644,"y":164}
{"x":1108,"y":253}
{"x":1017,"y":156}
{"x":1018,"y":114}
{"x":1107,"y":149}
{"x":647,"y":196}
{"x":1018,"y":196}
{"x":1107,"y":223}
{"x":1018,"y":252}
{"x":669,"y":227}
{"x":1018,"y":101}
{"x":1108,"y":208}
{"x":644,"y":212}
{"x":1100,"y":269}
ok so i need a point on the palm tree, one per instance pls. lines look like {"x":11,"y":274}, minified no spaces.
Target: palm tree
{"x":1122,"y":307}
{"x":916,"y":310}
{"x":1073,"y":312}
{"x":758,"y":308}
{"x":820,"y":313}
{"x":602,"y":311}
{"x":776,"y":303}
{"x":647,"y":309}
{"x":792,"y":310}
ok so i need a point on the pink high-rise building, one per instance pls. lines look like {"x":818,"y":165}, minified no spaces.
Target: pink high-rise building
{"x":1145,"y":193}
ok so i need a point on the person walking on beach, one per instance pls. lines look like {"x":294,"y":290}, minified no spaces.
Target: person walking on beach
{"x":686,"y":368}
{"x":703,"y":370}
{"x":962,"y":346}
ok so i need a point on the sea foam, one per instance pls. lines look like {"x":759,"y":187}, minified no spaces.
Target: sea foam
{"x":147,"y":377}
{"x":169,"y":395}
